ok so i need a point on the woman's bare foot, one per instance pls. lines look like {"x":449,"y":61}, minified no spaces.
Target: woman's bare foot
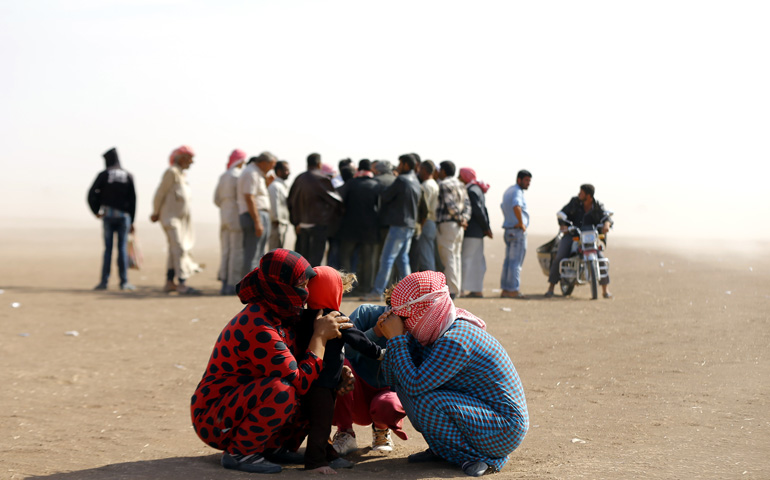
{"x":325,"y":470}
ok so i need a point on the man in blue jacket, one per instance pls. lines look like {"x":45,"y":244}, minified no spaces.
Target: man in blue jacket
{"x":398,"y":210}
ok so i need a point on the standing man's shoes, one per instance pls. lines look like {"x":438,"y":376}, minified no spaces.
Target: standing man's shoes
{"x":512,"y":294}
{"x":371,"y":297}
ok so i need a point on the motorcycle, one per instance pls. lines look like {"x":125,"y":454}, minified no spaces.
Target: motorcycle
{"x":583,"y":265}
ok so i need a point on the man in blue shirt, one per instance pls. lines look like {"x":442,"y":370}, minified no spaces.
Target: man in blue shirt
{"x":398,"y":210}
{"x":516,"y":222}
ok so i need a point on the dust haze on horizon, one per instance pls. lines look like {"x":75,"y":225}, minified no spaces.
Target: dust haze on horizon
{"x":663,"y":106}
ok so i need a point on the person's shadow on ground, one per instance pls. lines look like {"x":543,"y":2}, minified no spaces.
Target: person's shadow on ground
{"x":209,"y":468}
{"x":114,"y":292}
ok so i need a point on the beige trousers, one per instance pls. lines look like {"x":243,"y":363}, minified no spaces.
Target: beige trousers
{"x":450,"y":244}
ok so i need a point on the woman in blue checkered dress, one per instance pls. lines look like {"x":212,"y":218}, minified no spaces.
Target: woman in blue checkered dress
{"x":457,"y":383}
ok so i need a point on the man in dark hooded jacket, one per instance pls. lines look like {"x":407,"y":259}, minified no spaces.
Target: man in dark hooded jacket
{"x":113,"y":199}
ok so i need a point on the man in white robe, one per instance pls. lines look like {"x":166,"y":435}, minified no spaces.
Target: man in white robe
{"x":279,"y":207}
{"x":172,"y":207}
{"x":230,"y":231}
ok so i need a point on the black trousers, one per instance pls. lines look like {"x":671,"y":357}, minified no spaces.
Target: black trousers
{"x":311,"y":244}
{"x":318,"y":407}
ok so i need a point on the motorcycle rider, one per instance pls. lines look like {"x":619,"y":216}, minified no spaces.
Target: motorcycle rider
{"x":581,"y":210}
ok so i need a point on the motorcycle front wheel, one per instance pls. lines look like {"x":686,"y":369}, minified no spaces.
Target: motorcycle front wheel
{"x":593,"y":276}
{"x":566,"y":287}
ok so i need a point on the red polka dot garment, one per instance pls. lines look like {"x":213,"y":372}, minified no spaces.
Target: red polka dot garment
{"x":251,"y":386}
{"x":247,"y":400}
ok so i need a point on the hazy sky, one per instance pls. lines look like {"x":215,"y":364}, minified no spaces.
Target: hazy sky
{"x":663,"y":105}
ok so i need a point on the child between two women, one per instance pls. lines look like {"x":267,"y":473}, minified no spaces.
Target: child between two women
{"x":325,"y":295}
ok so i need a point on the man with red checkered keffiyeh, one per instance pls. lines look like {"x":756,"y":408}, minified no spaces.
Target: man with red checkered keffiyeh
{"x":456,"y":382}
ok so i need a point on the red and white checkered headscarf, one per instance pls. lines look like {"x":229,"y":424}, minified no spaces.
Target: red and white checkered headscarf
{"x":184,"y":149}
{"x":468,"y":176}
{"x":423,"y":298}
{"x":236,"y":157}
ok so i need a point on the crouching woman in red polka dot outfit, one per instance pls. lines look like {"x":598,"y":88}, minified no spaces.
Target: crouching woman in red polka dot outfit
{"x":247,"y":401}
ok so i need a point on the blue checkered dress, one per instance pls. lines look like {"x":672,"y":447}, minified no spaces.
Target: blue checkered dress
{"x":462,"y":393}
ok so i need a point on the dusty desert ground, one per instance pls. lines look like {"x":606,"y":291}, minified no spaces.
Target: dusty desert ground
{"x":671,"y":379}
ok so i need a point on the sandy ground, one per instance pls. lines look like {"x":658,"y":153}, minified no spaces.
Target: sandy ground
{"x":668,"y":380}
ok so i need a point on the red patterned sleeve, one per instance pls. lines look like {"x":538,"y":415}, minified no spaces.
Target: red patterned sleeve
{"x":273,"y":358}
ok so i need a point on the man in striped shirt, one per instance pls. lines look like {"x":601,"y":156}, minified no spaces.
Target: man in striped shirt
{"x":452,"y":216}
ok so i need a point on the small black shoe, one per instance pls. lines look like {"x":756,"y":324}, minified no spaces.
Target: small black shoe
{"x":101,"y":286}
{"x":284,"y":457}
{"x":426,"y":456}
{"x":476,"y":469}
{"x":255,"y":463}
{"x":340,"y":462}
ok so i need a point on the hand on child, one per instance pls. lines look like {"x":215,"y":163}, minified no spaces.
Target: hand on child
{"x":347,"y":381}
{"x":329,"y":326}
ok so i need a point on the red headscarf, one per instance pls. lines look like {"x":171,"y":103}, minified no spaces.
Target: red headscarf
{"x":325,"y":289}
{"x":236,"y":157}
{"x":184,"y":149}
{"x":468,"y":176}
{"x":423,"y":298}
{"x":274,"y":284}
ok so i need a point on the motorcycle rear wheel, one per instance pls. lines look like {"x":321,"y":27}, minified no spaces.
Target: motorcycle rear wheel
{"x":566,"y":287}
{"x":593,"y":276}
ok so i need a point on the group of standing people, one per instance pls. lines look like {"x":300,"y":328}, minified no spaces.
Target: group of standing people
{"x":251,"y":196}
{"x":384,"y":221}
{"x":380,"y":221}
